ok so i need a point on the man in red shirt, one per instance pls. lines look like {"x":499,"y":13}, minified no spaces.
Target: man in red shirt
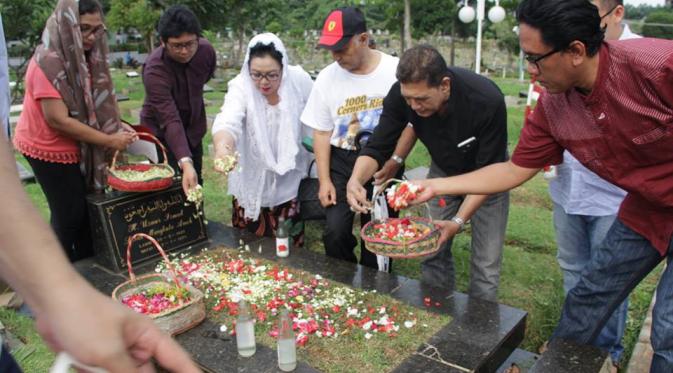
{"x":610,"y":104}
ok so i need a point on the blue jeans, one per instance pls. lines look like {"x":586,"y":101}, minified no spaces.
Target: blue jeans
{"x":621,"y":261}
{"x":488,"y":238}
{"x":577,"y":238}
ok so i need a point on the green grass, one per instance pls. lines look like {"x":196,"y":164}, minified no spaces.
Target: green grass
{"x":34,"y":356}
{"x":530,"y":278}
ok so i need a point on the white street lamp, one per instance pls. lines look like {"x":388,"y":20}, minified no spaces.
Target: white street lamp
{"x":466,"y":15}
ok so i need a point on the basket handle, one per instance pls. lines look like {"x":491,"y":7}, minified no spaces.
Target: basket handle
{"x":381,"y":188}
{"x":147,"y":136}
{"x":385,"y":184}
{"x":132,"y":276}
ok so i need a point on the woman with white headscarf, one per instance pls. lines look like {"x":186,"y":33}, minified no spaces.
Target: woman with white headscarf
{"x":260,"y":120}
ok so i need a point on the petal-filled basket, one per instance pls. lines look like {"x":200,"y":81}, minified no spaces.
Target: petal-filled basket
{"x":185,"y":315}
{"x":158,"y":176}
{"x":379,"y":237}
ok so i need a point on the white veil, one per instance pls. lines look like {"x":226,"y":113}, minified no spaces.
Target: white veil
{"x":247,"y":182}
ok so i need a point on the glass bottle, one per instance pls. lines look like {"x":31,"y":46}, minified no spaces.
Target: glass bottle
{"x":245,"y":330}
{"x":287,"y":351}
{"x":282,"y":239}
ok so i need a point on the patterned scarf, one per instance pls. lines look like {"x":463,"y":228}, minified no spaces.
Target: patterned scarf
{"x":84,"y":84}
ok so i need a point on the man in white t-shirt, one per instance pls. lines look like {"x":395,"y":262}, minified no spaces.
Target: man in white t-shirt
{"x":347,"y":99}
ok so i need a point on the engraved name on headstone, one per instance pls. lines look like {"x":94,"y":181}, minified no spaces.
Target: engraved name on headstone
{"x":165,"y":215}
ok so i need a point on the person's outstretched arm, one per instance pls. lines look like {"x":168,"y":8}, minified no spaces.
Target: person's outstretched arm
{"x":71,"y":315}
{"x":496,"y":178}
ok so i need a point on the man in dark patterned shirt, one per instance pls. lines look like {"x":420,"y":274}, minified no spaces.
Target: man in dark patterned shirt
{"x":174,"y":75}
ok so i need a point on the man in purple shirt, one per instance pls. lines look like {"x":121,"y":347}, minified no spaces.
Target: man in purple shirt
{"x":174,"y":75}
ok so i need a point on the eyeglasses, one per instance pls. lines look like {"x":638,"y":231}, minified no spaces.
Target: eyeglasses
{"x":270,"y":76}
{"x":97,"y":32}
{"x":533,"y":59}
{"x":176,"y":47}
{"x":609,"y":11}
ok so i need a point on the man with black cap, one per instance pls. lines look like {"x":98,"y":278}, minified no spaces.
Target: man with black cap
{"x":347,"y":99}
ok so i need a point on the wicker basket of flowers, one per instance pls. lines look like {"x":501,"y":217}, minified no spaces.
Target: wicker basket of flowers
{"x":141,"y":177}
{"x":174,"y":307}
{"x":407,"y":237}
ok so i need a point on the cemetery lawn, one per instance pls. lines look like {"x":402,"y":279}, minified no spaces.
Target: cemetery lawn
{"x":530,"y":278}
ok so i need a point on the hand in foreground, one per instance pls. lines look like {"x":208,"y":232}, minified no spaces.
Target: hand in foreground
{"x":327,"y":194}
{"x":189,"y":178}
{"x":388,"y":171}
{"x":100,"y":332}
{"x":425,"y":194}
{"x":448,"y":229}
{"x":122,"y":139}
{"x":356,"y":195}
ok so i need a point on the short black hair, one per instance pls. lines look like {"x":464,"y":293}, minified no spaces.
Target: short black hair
{"x":89,"y":7}
{"x":261,"y":50}
{"x":422,"y":63}
{"x":176,"y":21}
{"x":608,"y":4}
{"x":563,"y":21}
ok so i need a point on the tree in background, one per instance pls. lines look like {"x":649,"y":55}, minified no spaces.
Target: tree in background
{"x":23,"y":21}
{"x":659,"y":24}
{"x":141,"y":15}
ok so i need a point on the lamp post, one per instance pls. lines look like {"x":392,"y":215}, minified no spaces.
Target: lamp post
{"x":466,"y":15}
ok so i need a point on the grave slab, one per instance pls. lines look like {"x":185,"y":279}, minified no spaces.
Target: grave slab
{"x":217,"y":353}
{"x":568,"y":357}
{"x":25,"y":174}
{"x":479,"y":338}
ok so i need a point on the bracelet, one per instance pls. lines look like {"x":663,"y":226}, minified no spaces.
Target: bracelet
{"x":397,"y":158}
{"x":458,"y":220}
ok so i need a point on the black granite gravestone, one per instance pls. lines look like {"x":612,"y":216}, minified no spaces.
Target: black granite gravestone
{"x":164,"y":215}
{"x":479,"y":338}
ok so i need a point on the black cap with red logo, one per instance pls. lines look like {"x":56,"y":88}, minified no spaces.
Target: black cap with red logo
{"x":340,"y":26}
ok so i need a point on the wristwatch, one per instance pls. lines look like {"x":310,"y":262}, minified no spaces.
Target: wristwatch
{"x":458,"y":220}
{"x":183,"y":160}
{"x":397,"y":158}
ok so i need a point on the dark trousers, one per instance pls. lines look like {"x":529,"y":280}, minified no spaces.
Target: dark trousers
{"x":7,"y":362}
{"x":197,"y":158}
{"x":338,"y":235}
{"x":65,"y":189}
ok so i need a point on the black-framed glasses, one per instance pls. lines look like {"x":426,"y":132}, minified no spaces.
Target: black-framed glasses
{"x":190,"y":45}
{"x":97,"y":32}
{"x":609,"y":11}
{"x":271,"y":76}
{"x":533,"y":59}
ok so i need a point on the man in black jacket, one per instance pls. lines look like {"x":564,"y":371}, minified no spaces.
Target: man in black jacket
{"x":462,"y":120}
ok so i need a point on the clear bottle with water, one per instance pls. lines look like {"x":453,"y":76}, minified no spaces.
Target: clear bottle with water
{"x":245,"y":330}
{"x":282,"y":239}
{"x":287,"y":351}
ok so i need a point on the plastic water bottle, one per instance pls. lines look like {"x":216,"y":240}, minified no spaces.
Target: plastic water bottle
{"x":245,"y":330}
{"x":287,"y":351}
{"x":282,"y":239}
